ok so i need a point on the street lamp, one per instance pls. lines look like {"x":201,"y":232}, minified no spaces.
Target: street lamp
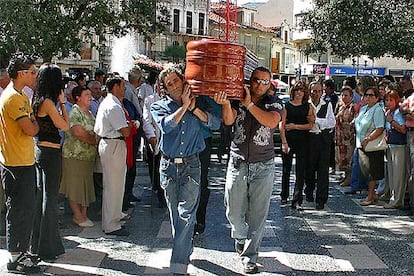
{"x":356,"y":65}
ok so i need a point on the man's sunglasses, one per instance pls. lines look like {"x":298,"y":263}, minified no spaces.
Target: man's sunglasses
{"x":261,"y":81}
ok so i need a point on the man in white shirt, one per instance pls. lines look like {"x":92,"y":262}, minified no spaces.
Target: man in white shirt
{"x":111,"y":125}
{"x":320,"y":140}
{"x":152,"y":134}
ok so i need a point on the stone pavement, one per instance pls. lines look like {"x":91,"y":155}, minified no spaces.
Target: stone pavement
{"x":342,"y":239}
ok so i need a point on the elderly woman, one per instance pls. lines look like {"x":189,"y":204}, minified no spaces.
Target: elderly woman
{"x":396,"y":152}
{"x":46,"y":241}
{"x":297,"y":120}
{"x":345,"y":133}
{"x":369,"y":125}
{"x":79,"y":151}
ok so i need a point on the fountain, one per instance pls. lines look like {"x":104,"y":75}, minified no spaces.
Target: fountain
{"x":123,"y":50}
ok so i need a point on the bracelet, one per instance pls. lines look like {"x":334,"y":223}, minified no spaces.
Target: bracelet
{"x":249,"y":105}
{"x":192,"y":110}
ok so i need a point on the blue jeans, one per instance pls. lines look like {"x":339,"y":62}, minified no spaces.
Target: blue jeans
{"x":181,"y":183}
{"x":247,"y":197}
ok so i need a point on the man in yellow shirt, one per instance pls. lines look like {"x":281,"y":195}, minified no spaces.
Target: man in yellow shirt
{"x":18,"y":126}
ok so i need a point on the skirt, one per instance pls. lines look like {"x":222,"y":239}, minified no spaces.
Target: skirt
{"x":77,"y":181}
{"x":371,"y":164}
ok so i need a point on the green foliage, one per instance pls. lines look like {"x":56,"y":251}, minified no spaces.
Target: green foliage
{"x":52,"y":27}
{"x":362,"y":27}
{"x":176,"y":52}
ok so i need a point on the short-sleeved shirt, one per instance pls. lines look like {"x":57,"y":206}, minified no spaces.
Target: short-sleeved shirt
{"x":368,"y":119}
{"x":110,"y":118}
{"x":73,"y":148}
{"x":393,"y":136}
{"x":16,"y":147}
{"x":253,"y":142}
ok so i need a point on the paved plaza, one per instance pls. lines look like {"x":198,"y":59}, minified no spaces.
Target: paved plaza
{"x":342,"y":239}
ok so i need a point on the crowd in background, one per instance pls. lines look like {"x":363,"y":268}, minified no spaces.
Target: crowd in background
{"x":368,"y":111}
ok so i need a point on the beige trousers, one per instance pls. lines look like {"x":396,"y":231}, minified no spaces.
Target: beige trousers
{"x":113,"y":159}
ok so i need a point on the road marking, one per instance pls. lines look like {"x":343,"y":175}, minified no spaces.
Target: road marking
{"x":329,"y":227}
{"x":398,"y":225}
{"x":359,"y":255}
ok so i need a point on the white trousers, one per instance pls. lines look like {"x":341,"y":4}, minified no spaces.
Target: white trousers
{"x":113,"y":159}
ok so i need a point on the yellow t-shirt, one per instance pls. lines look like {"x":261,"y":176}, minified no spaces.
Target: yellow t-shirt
{"x":16,"y":148}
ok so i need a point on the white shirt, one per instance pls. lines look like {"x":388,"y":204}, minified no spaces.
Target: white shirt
{"x":150,"y":127}
{"x":110,"y":118}
{"x":323,"y":123}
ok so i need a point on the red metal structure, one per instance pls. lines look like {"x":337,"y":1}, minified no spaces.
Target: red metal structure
{"x":228,"y":20}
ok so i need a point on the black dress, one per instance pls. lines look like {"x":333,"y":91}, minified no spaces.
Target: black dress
{"x":296,"y":140}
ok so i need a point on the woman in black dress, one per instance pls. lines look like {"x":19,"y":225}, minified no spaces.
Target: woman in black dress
{"x":297,"y":120}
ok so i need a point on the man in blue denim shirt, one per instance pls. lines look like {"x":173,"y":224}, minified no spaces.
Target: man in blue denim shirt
{"x":180,"y":121}
{"x":250,"y":171}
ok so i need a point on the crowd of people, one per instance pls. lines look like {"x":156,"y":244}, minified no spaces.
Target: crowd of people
{"x":54,"y":126}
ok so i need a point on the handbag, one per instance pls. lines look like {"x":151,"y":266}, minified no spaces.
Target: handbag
{"x":377,"y":144}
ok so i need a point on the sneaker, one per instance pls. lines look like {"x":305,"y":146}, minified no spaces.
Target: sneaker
{"x":250,"y":268}
{"x":23,"y":265}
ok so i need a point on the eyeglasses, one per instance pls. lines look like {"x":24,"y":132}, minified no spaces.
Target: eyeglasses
{"x":260,"y":81}
{"x":300,"y":90}
{"x":33,"y":71}
{"x":369,"y":95}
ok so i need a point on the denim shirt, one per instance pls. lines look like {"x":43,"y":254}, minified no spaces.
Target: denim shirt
{"x":213,"y":110}
{"x":178,"y":140}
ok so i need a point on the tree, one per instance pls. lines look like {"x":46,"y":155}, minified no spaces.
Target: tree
{"x":362,"y":27}
{"x":176,"y":52}
{"x":52,"y":28}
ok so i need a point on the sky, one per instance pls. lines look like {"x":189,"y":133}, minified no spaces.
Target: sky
{"x":241,"y":2}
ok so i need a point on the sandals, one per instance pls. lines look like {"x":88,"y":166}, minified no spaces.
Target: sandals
{"x":250,"y":268}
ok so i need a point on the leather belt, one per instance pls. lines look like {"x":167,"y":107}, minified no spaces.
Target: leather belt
{"x":181,"y":160}
{"x":115,"y":138}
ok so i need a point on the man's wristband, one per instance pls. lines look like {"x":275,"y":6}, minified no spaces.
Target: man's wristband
{"x":192,"y":110}
{"x":249,"y":105}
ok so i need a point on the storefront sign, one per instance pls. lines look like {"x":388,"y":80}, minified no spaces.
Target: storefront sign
{"x":341,"y":70}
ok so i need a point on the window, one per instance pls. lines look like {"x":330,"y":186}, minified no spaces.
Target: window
{"x":201,"y":24}
{"x":286,"y":37}
{"x":189,"y":29}
{"x":176,"y":22}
